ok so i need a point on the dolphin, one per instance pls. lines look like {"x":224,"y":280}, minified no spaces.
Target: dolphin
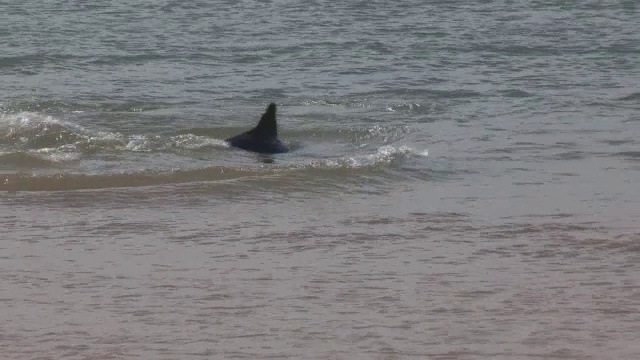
{"x":263,"y":138}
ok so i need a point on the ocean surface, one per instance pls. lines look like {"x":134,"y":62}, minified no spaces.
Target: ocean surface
{"x":464,"y":181}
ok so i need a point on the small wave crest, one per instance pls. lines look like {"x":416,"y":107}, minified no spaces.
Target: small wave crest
{"x":71,"y":181}
{"x":383,"y":155}
{"x":41,"y":152}
{"x":78,"y":181}
{"x":515,"y":93}
{"x":149,"y":143}
{"x":50,"y":139}
{"x":195,"y":142}
{"x":631,"y":97}
{"x":34,"y":130}
{"x":378,"y":134}
{"x":46,"y":139}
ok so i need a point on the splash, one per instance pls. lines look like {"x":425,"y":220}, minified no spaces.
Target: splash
{"x":50,"y":139}
{"x":382,"y":156}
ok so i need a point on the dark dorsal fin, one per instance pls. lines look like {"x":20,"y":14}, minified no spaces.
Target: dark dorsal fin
{"x":267,"y":127}
{"x":263,"y":138}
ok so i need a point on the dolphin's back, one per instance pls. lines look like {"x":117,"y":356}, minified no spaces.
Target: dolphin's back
{"x":263,"y":138}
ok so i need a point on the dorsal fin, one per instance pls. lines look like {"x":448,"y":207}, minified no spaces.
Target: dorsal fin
{"x":263,"y":138}
{"x":267,"y":127}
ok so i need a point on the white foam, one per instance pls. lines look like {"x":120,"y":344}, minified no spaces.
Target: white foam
{"x":60,"y":154}
{"x":383,"y":155}
{"x":138,"y":143}
{"x":31,"y":119}
{"x":195,"y":142}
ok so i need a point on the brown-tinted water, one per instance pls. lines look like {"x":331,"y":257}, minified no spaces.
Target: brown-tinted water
{"x":235,"y":270}
{"x":463,"y":181}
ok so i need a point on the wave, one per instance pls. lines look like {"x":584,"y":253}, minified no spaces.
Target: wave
{"x":30,"y":135}
{"x":33,"y":130}
{"x":370,"y":163}
{"x":515,"y":93}
{"x":35,"y":159}
{"x":126,"y":105}
{"x":41,"y":152}
{"x":631,"y":97}
{"x":48,"y":138}
{"x":628,"y":155}
{"x":70,"y":181}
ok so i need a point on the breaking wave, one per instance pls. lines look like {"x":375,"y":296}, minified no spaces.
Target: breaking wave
{"x":43,"y":153}
{"x":48,"y":139}
{"x":368,"y":164}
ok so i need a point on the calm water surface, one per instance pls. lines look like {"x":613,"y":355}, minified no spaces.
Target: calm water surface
{"x":463,"y":185}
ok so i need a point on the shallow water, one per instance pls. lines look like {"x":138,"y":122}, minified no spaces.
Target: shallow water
{"x":463,"y":183}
